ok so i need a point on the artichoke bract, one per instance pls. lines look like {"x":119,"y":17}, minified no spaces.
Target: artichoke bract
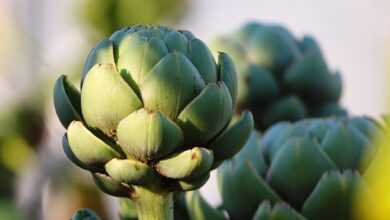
{"x":154,"y":115}
{"x":311,"y":169}
{"x":280,"y":77}
{"x":85,"y":214}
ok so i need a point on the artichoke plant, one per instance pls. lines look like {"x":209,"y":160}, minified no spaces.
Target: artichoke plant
{"x":85,"y":214}
{"x":312,"y":169}
{"x":280,"y":77}
{"x":153,"y":117}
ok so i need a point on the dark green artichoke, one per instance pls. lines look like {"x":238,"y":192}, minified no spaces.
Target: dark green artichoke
{"x":153,"y":115}
{"x":281,"y":78}
{"x":85,"y":214}
{"x":311,"y":169}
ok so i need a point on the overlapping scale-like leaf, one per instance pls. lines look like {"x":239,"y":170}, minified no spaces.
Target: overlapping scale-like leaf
{"x":334,"y":196}
{"x":110,"y":186}
{"x":200,"y":209}
{"x":103,"y":90}
{"x":346,"y":146}
{"x":289,"y":108}
{"x":192,"y":183}
{"x":187,"y":164}
{"x":203,"y":60}
{"x":103,"y":53}
{"x":91,"y":151}
{"x":176,"y":41}
{"x":233,"y":138}
{"x":268,"y":48}
{"x":296,"y":169}
{"x":171,"y":85}
{"x":227,"y":74}
{"x":206,"y":115}
{"x":130,"y":171}
{"x":280,"y":211}
{"x":309,"y":76}
{"x":252,"y":189}
{"x":262,"y":86}
{"x":66,"y":101}
{"x":156,"y":135}
{"x":139,"y":55}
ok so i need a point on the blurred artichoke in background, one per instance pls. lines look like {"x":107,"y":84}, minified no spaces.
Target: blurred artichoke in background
{"x":280,"y":77}
{"x":85,"y":214}
{"x":311,"y":169}
{"x":153,"y":116}
{"x":105,"y":17}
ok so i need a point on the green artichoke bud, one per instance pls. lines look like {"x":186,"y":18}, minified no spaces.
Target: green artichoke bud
{"x":311,"y":169}
{"x":85,"y":214}
{"x":153,"y":115}
{"x":280,"y":77}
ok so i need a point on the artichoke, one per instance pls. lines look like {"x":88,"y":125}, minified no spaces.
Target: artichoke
{"x":281,"y":78}
{"x":311,"y":169}
{"x":153,"y":117}
{"x":85,"y":214}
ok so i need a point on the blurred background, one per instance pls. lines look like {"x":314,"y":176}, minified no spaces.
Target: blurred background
{"x":41,"y":39}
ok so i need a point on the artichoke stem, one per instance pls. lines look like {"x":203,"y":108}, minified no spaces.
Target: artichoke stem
{"x":153,"y":205}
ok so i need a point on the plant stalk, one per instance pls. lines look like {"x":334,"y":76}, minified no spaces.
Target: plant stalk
{"x":153,"y":205}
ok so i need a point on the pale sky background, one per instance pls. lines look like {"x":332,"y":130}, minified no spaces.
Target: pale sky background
{"x":354,"y":35}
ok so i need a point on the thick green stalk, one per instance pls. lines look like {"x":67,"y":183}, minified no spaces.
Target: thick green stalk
{"x":153,"y":205}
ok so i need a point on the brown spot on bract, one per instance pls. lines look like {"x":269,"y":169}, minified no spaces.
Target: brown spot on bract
{"x":193,"y":156}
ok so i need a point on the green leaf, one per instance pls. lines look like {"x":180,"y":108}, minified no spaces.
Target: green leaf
{"x":309,"y":77}
{"x":85,"y":214}
{"x":87,"y":148}
{"x":106,"y":98}
{"x":296,"y":169}
{"x":271,"y":136}
{"x":199,"y":209}
{"x":130,"y":171}
{"x":107,"y":185}
{"x":334,"y":196}
{"x":269,"y":48}
{"x":327,"y":109}
{"x":289,"y":108}
{"x":66,"y":101}
{"x":206,"y":115}
{"x":233,"y":138}
{"x":73,"y":158}
{"x":147,"y":136}
{"x":203,"y":60}
{"x":138,"y":55}
{"x":346,"y":146}
{"x":308,"y":43}
{"x":262,"y":86}
{"x":227,"y":74}
{"x":192,"y":184}
{"x":234,"y":174}
{"x":171,"y":85}
{"x":176,"y":41}
{"x":335,"y":87}
{"x":281,"y":211}
{"x":188,"y":164}
{"x":298,"y":129}
{"x":103,"y":53}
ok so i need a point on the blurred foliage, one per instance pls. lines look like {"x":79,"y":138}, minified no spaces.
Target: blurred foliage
{"x":8,"y":211}
{"x":378,"y":179}
{"x":107,"y":16}
{"x":21,"y":131}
